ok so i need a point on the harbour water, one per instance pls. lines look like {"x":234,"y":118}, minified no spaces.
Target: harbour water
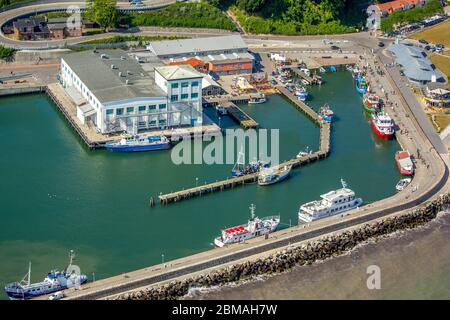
{"x":57,"y":195}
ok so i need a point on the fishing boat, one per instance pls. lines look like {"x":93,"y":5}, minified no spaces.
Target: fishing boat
{"x":361,"y":85}
{"x":305,"y":71}
{"x":402,"y":184}
{"x":221,"y":110}
{"x":333,"y":69}
{"x":133,"y":143}
{"x":382,"y":125}
{"x":322,"y":70}
{"x":55,"y":281}
{"x":240,"y":169}
{"x":326,"y":113}
{"x":304,"y":152}
{"x":330,"y":204}
{"x":255,"y":227}
{"x":301,"y":94}
{"x":371,"y":103}
{"x":404,"y":163}
{"x":261,"y":98}
{"x":273,"y":175}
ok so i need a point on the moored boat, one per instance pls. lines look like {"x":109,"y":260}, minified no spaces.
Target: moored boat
{"x":55,"y":281}
{"x":221,"y":110}
{"x":133,"y":143}
{"x":402,"y":184}
{"x":273,"y":175}
{"x":304,"y":152}
{"x":333,"y":69}
{"x":382,"y":125}
{"x":404,"y":162}
{"x":261,"y":98}
{"x":255,"y":227}
{"x":326,"y":113}
{"x":331,"y":203}
{"x":371,"y":103}
{"x":301,"y":94}
{"x":361,"y":84}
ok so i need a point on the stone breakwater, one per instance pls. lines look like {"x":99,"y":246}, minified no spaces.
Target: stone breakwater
{"x":281,"y":261}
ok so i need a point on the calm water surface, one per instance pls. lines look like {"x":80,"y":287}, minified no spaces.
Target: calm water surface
{"x":57,"y":195}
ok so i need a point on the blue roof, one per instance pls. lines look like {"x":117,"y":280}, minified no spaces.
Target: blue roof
{"x":416,"y":65}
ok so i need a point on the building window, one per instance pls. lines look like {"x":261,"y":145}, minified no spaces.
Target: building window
{"x":142,"y":108}
{"x":173,"y":98}
{"x":109,"y":111}
{"x":152,"y":123}
{"x":130,"y":109}
{"x":174,"y":85}
{"x":152,"y":107}
{"x":185,"y":84}
{"x":194,"y":95}
{"x":162,"y":106}
{"x":195,"y":84}
{"x":184,"y":96}
{"x":119,"y":111}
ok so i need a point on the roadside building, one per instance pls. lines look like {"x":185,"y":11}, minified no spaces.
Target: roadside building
{"x":37,"y":28}
{"x":414,"y":63}
{"x":69,"y":29}
{"x":377,"y":11}
{"x":223,"y":55}
{"x":437,"y":95}
{"x":114,"y":93}
{"x":33,"y":28}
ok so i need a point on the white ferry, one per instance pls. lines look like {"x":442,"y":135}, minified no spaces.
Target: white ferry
{"x":332,"y":203}
{"x":254,"y":228}
{"x":55,"y":281}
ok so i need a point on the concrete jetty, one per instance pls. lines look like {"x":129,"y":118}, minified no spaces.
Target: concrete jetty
{"x":239,"y":115}
{"x":300,"y":105}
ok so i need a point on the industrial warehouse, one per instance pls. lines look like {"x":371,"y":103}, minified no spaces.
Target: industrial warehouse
{"x":114,"y":93}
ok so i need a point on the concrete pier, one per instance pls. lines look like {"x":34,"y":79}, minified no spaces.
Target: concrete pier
{"x":239,"y":115}
{"x":300,"y":105}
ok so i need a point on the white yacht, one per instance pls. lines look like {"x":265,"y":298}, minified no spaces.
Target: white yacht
{"x":332,"y":203}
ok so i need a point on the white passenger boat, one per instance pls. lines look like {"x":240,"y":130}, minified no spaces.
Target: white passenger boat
{"x":332,"y":203}
{"x":255,"y":227}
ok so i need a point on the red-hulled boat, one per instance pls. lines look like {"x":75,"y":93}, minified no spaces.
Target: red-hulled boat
{"x":383,"y":125}
{"x":404,"y":162}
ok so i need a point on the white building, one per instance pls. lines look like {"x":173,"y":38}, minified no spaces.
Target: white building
{"x":114,"y":93}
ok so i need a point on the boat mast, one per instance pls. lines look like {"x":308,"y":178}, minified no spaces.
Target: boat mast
{"x":71,"y":257}
{"x":252,"y":211}
{"x":239,"y":165}
{"x":26,"y":280}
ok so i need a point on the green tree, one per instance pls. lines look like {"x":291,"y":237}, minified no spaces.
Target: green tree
{"x":103,"y":12}
{"x":4,"y":3}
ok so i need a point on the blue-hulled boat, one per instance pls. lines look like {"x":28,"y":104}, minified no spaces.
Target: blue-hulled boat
{"x":361,"y":85}
{"x":326,"y":113}
{"x":333,"y":69}
{"x":139,"y":143}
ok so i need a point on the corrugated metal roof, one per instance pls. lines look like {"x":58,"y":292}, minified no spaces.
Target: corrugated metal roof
{"x":414,"y":62}
{"x":105,"y":82}
{"x":197,"y":45}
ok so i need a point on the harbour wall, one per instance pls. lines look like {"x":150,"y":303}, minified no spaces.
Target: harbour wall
{"x":323,"y":248}
{"x":22,"y":90}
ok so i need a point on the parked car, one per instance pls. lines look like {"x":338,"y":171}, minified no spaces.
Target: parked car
{"x":380,"y":44}
{"x":335,"y":48}
{"x":56,"y":296}
{"x":423,"y":41}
